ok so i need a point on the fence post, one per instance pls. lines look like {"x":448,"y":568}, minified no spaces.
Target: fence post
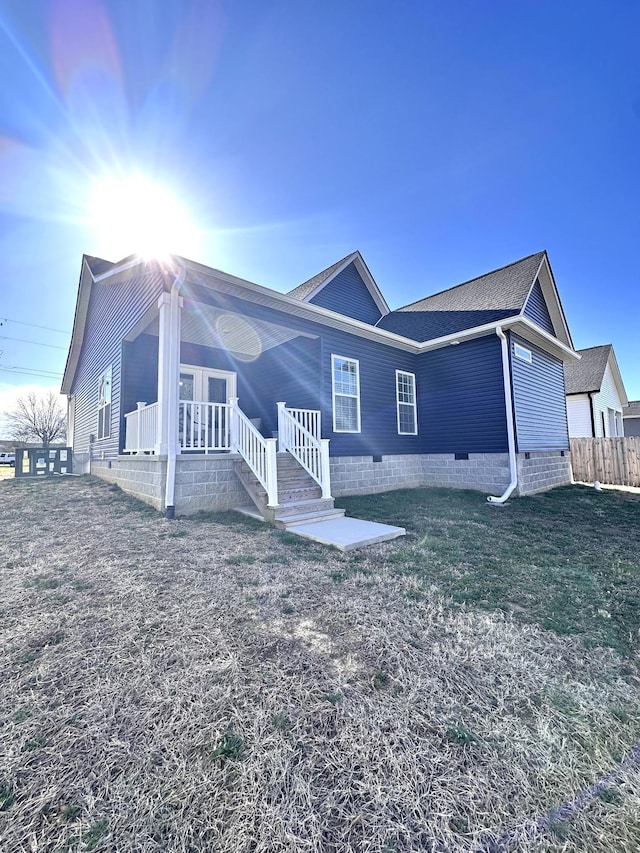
{"x":272,"y":472}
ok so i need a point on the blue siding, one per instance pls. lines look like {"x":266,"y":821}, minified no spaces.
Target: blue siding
{"x":461,"y":398}
{"x":536,"y":309}
{"x":113,"y":311}
{"x":539,"y":400}
{"x":378,"y":363}
{"x":139,"y":376}
{"x":348,"y":294}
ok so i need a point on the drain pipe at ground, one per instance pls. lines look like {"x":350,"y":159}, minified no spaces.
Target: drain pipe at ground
{"x":506,"y":377}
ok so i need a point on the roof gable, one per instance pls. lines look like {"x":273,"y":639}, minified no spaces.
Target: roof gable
{"x":505,"y":292}
{"x":586,"y":376}
{"x":312,"y":290}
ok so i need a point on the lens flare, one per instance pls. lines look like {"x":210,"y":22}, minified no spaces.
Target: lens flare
{"x":133,"y":215}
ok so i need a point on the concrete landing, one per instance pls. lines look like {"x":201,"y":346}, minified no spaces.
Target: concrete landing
{"x":346,"y":534}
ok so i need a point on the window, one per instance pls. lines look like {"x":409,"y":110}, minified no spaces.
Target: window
{"x":104,"y":404}
{"x":522,"y":352}
{"x":406,"y":403}
{"x":345,"y":382}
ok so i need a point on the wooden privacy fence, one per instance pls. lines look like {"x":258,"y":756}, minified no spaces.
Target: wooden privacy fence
{"x":610,"y":460}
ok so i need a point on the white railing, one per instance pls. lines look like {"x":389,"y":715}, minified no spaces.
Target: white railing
{"x":204,"y":426}
{"x":141,"y":429}
{"x":299,"y":432}
{"x":258,"y":452}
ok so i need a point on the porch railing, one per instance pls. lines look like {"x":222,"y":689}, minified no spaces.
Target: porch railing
{"x":258,"y":452}
{"x":204,"y":426}
{"x":141,"y":429}
{"x":299,"y":432}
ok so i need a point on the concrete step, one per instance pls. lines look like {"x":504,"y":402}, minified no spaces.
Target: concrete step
{"x":290,"y":521}
{"x":346,"y":534}
{"x":299,"y":507}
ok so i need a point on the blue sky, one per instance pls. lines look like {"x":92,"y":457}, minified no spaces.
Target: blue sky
{"x":443,"y":140}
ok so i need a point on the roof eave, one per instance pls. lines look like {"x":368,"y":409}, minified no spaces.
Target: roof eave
{"x":518,"y":323}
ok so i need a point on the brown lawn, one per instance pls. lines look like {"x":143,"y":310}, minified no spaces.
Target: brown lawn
{"x":215,"y":685}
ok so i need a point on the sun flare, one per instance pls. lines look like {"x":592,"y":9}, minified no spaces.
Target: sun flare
{"x":135,"y":215}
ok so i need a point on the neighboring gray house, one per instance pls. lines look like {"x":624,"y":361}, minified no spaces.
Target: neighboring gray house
{"x":595,"y":394}
{"x":180,"y":377}
{"x":631,"y":418}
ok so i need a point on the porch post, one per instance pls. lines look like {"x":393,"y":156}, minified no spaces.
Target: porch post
{"x":325,"y":468}
{"x":168,"y":371}
{"x":233,"y":424}
{"x":282,"y":439}
{"x":139,"y":426}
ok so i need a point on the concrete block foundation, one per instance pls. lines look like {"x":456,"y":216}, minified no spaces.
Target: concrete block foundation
{"x":210,"y":483}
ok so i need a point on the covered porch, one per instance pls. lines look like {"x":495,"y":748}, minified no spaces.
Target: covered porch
{"x":200,"y":379}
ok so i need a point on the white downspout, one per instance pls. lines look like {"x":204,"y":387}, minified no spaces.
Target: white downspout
{"x":506,"y":377}
{"x":172,"y":397}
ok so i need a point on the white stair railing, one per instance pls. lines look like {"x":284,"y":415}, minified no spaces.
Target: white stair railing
{"x":258,"y":452}
{"x":299,"y":432}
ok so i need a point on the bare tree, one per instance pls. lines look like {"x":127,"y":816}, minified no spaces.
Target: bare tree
{"x":37,"y":418}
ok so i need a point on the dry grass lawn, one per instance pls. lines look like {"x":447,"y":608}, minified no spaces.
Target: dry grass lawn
{"x":214,"y":685}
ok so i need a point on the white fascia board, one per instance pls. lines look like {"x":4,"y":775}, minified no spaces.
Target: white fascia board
{"x":79,"y":323}
{"x":554,"y":305}
{"x":617,"y":378}
{"x":235,"y":286}
{"x":520,"y":324}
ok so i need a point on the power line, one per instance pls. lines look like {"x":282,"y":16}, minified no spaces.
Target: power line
{"x":35,"y":343}
{"x":27,"y":371}
{"x":33,"y":325}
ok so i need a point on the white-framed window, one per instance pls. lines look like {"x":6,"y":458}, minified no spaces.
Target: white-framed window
{"x":406,"y":403}
{"x":345,"y":385}
{"x":522,"y":352}
{"x":104,"y":404}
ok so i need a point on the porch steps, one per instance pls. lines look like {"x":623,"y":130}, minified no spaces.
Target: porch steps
{"x":299,"y":496}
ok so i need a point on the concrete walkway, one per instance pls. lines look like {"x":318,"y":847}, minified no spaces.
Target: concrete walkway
{"x":346,"y":534}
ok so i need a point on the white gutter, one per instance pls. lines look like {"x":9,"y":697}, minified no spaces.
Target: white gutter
{"x":506,"y":377}
{"x":172,"y":401}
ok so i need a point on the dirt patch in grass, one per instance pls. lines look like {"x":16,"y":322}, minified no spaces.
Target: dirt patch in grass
{"x":210,"y":684}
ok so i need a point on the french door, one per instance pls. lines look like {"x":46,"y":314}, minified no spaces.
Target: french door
{"x":203,"y":424}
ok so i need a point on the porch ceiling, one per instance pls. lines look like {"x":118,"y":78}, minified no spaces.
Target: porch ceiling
{"x":212,"y":327}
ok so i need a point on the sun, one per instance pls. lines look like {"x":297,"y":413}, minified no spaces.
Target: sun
{"x":134,"y":215}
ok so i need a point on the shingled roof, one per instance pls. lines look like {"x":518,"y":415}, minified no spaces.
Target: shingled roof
{"x":586,"y":375}
{"x":632,"y":410}
{"x":303,"y":290}
{"x":485,"y":299}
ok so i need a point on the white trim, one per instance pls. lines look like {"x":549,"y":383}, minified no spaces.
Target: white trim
{"x":102,"y":406}
{"x":522,"y":353}
{"x":369,"y":282}
{"x":266,"y":297}
{"x":400,"y":402}
{"x":355,"y":396}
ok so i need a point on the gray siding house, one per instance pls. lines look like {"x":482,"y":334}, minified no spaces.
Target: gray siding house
{"x":596,"y":394}
{"x":194,"y":389}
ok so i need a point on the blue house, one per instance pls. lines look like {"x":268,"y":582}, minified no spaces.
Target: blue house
{"x":194,"y":389}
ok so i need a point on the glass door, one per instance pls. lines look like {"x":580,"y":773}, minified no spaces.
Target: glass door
{"x":203,"y":427}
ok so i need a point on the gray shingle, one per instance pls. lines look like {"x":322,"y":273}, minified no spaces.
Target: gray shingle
{"x":303,"y":290}
{"x":499,"y":290}
{"x":586,"y":375}
{"x":494,"y":296}
{"x":632,"y":410}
